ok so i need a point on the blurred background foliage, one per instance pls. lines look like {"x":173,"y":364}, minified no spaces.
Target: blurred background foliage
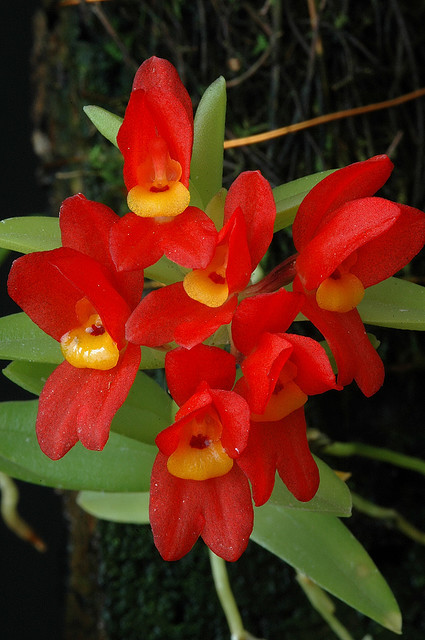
{"x":284,"y":61}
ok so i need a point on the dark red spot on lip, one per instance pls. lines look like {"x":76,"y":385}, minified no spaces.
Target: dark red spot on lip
{"x":159,"y":189}
{"x":199,"y":441}
{"x":96,"y":330}
{"x":216,"y":278}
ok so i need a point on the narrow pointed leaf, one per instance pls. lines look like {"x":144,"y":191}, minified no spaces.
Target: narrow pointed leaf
{"x":123,"y":465}
{"x":21,"y":339}
{"x":206,"y":168}
{"x":31,"y":376}
{"x":132,"y":508}
{"x":333,"y":496}
{"x":395,"y":303}
{"x":322,"y":548}
{"x":30,"y":233}
{"x":165,"y":271}
{"x":289,"y":196}
{"x":106,"y":123}
{"x":147,"y":410}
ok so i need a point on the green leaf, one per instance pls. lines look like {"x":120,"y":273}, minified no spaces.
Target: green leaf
{"x":123,"y":465}
{"x":322,"y":548}
{"x":152,"y":358}
{"x":165,"y":271}
{"x":206,"y":169}
{"x":132,"y":508}
{"x":289,"y":196}
{"x":395,"y":303}
{"x":147,"y":410}
{"x":333,"y":496}
{"x":30,"y":233}
{"x":195,"y":197}
{"x":21,"y":339}
{"x":31,"y":376}
{"x":106,"y":123}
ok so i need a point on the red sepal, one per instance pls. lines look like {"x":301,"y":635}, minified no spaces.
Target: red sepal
{"x":283,"y":446}
{"x":185,"y":370}
{"x":86,"y":226}
{"x":188,"y":239}
{"x":158,"y":105}
{"x":219,"y":509}
{"x":184,"y":320}
{"x":79,"y":404}
{"x":358,"y":180}
{"x":351,"y":227}
{"x":252,"y":193}
{"x":268,"y":312}
{"x":47,"y":285}
{"x":157,"y":74}
{"x":355,"y":357}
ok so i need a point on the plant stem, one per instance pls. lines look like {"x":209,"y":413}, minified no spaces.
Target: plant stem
{"x":345,"y":449}
{"x":227,"y":599}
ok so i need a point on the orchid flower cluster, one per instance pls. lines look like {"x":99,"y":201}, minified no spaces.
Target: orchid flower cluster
{"x":229,"y":438}
{"x":238,"y":372}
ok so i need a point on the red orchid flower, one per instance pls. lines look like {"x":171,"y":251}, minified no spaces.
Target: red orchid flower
{"x":197,"y":488}
{"x":75,"y":295}
{"x":348,"y":240}
{"x":193,"y":309}
{"x":156,"y":140}
{"x":280,"y":371}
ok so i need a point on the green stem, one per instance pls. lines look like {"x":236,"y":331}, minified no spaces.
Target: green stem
{"x":227,"y":600}
{"x":345,"y":449}
{"x":323,"y":605}
{"x":375,"y":511}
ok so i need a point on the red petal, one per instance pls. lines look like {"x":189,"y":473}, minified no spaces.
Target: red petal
{"x":158,"y":73}
{"x":391,"y":251}
{"x":295,"y":464}
{"x":258,"y":460}
{"x":169,"y":314}
{"x":268,"y":312}
{"x":219,"y":509}
{"x":85,"y":226}
{"x":168,"y":439}
{"x":135,"y":242}
{"x":234,"y":416}
{"x":351,"y":227}
{"x":189,"y":239}
{"x":355,"y":356}
{"x":283,"y":446}
{"x":185,"y":370}
{"x":358,"y":180}
{"x":314,"y":371}
{"x":239,"y":268}
{"x":79,"y":404}
{"x":158,"y":105}
{"x":175,"y":511}
{"x":262,"y":367}
{"x":252,"y":193}
{"x":47,"y":285}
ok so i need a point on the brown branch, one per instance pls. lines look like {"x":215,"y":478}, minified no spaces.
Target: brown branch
{"x":330,"y":117}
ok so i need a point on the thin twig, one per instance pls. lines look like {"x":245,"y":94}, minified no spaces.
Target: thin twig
{"x":329,"y":117}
